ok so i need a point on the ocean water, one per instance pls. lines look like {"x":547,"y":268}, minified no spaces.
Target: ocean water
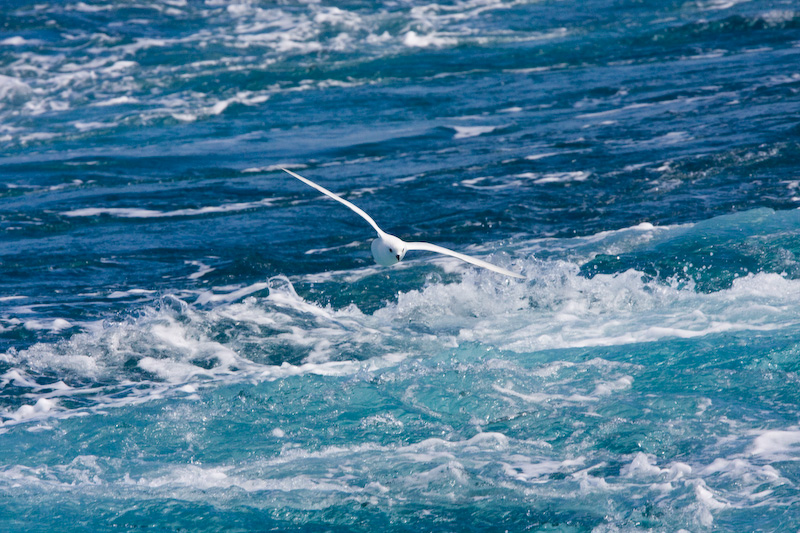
{"x":191,"y":340}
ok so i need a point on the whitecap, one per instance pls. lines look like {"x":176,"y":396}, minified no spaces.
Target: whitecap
{"x":13,"y":90}
{"x":464,"y":132}
{"x":55,"y":325}
{"x":556,"y":177}
{"x":414,"y":40}
{"x":135,"y":212}
{"x":203,"y":269}
{"x":777,"y":445}
{"x":18,"y":40}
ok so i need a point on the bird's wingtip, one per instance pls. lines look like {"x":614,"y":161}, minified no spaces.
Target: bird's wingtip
{"x":513,"y":274}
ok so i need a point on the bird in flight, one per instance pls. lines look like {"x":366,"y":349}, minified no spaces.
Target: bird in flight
{"x":388,"y":249}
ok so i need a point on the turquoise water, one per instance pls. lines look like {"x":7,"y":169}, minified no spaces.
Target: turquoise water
{"x":191,"y":340}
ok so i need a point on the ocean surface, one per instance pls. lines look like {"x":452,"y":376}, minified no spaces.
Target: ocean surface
{"x":192,"y":340}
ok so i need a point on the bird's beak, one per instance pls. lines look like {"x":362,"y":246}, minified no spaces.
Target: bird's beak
{"x":398,"y":257}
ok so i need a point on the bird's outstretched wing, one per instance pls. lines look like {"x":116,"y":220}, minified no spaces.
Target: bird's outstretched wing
{"x":477,"y":262}
{"x":338,"y":198}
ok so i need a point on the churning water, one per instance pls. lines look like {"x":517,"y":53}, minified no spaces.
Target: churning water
{"x":191,"y":340}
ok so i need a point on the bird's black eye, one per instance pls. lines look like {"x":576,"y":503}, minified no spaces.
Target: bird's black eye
{"x":391,"y":250}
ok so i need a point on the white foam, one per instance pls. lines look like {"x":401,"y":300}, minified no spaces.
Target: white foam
{"x":538,"y":397}
{"x":89,"y":126}
{"x":556,"y":177}
{"x":175,"y":343}
{"x":607,"y":388}
{"x":18,"y":40}
{"x":702,"y":405}
{"x":57,"y":324}
{"x":86,"y":8}
{"x":335,"y":16}
{"x":211,"y":297}
{"x":560,"y":32}
{"x":119,"y":66}
{"x":480,"y":183}
{"x":131,"y":292}
{"x":629,"y":107}
{"x":523,"y":469}
{"x":718,"y":5}
{"x":37,"y":136}
{"x":572,"y":311}
{"x":776,"y":17}
{"x":32,"y":412}
{"x":777,"y":445}
{"x":203,"y":269}
{"x":414,"y":40}
{"x":177,"y":353}
{"x":273,"y":168}
{"x":198,"y":478}
{"x":743,"y":471}
{"x":119,"y":100}
{"x":106,"y":73}
{"x":242,"y":97}
{"x":123,"y":212}
{"x":135,"y":212}
{"x":13,"y":90}
{"x":464,"y":132}
{"x":543,"y":155}
{"x":174,"y":371}
{"x":18,"y":379}
{"x":642,"y":465}
{"x":353,"y":244}
{"x":706,"y":502}
{"x":184,"y":117}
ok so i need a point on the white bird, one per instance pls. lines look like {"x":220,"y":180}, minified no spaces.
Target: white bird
{"x":388,"y":249}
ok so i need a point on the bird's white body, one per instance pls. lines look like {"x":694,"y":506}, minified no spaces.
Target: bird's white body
{"x":388,"y":249}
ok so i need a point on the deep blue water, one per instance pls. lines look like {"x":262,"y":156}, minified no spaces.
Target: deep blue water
{"x":191,"y":340}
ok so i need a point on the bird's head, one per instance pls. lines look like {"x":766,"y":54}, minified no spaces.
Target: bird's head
{"x":388,"y":250}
